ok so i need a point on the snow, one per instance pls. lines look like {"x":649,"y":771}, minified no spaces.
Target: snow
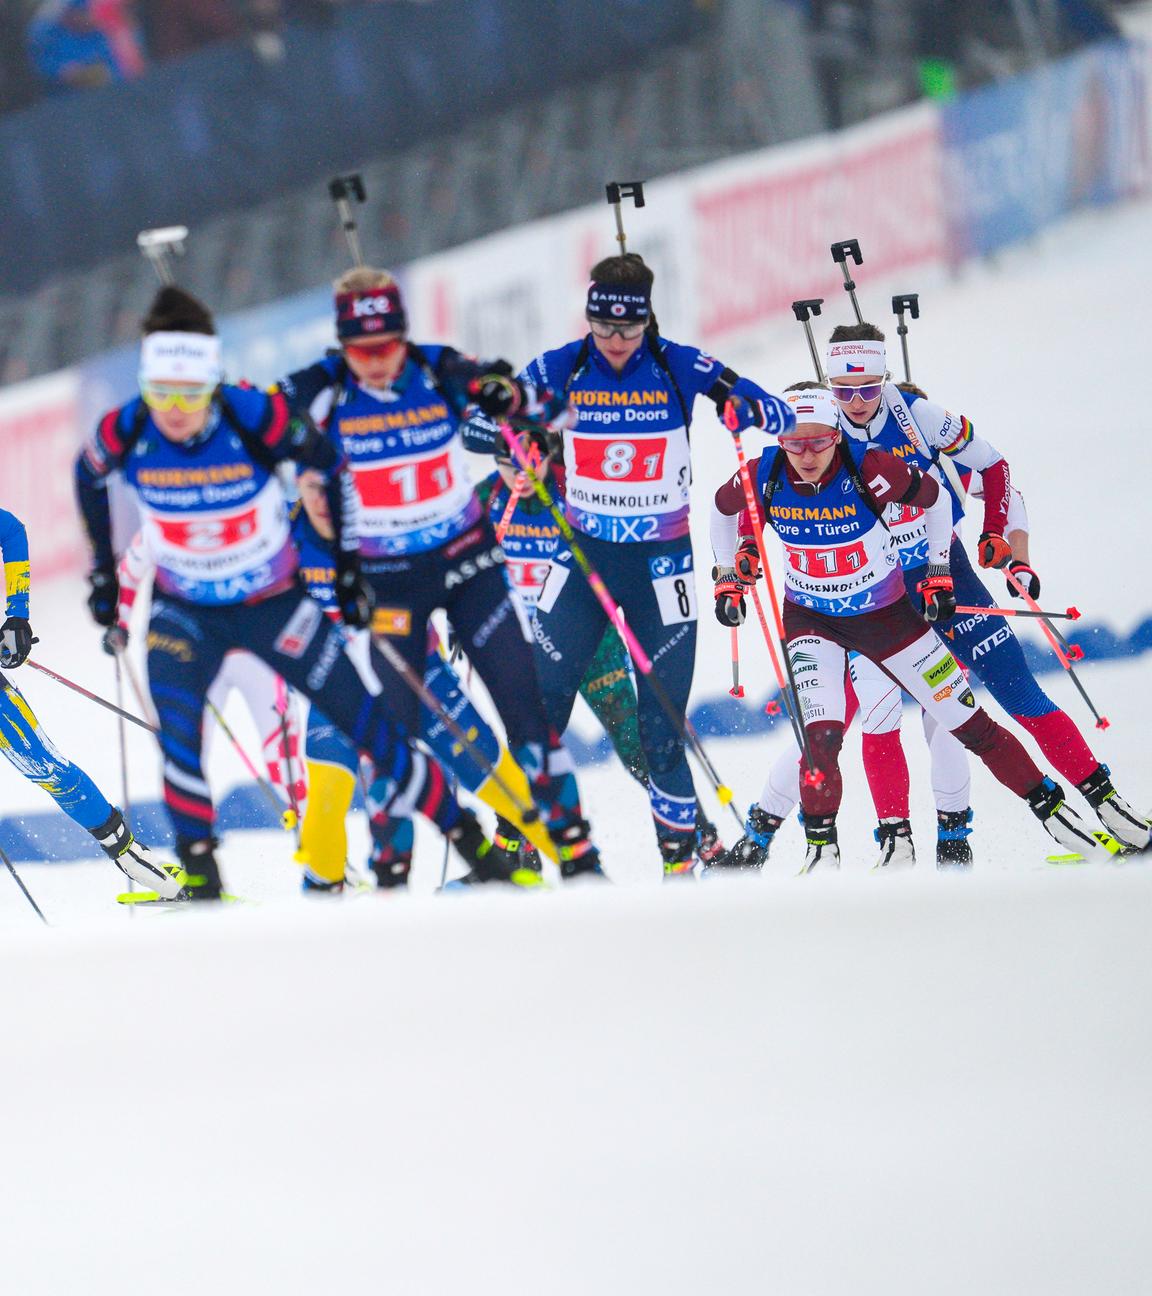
{"x":847,"y":1083}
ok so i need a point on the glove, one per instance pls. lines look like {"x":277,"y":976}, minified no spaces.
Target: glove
{"x":938,"y":600}
{"x":993,"y":550}
{"x":748,"y":561}
{"x":728,"y":591}
{"x":1027,"y":577}
{"x":498,"y":394}
{"x":15,"y":642}
{"x":771,"y":415}
{"x":354,"y":596}
{"x":104,"y":599}
{"x":115,"y":640}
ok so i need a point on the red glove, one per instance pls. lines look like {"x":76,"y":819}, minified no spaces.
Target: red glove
{"x":747,"y":560}
{"x":728,"y":591}
{"x":938,"y":599}
{"x":1027,"y":577}
{"x":993,"y":550}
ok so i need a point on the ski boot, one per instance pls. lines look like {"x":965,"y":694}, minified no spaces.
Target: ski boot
{"x":579,"y":857}
{"x":390,"y":865}
{"x":202,"y":873}
{"x":134,"y":859}
{"x":952,"y":833}
{"x":487,"y":862}
{"x":1113,"y":811}
{"x":1065,"y":825}
{"x":677,"y":852}
{"x":751,"y":850}
{"x":823,"y":850}
{"x":313,"y":886}
{"x":896,"y":848}
{"x":709,"y":847}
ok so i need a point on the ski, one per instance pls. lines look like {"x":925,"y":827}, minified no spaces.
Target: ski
{"x":154,"y":898}
{"x":1106,"y":841}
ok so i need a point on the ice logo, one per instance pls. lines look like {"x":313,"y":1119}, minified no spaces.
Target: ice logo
{"x":663,"y":566}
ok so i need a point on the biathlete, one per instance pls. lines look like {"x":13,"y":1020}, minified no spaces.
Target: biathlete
{"x":844,"y":592}
{"x":265,"y":694}
{"x":200,"y":456}
{"x":28,"y":748}
{"x":874,"y":410}
{"x":395,"y":409}
{"x":627,"y":470}
{"x":334,"y":764}
{"x":530,"y":536}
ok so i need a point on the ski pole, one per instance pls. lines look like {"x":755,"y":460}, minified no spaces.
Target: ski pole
{"x":286,"y":817}
{"x":615,"y":615}
{"x":804,"y":310}
{"x":527,"y":812}
{"x":1065,"y":652}
{"x":291,"y":817}
{"x":93,"y":697}
{"x":813,"y":777}
{"x":737,"y":689}
{"x":617,"y":191}
{"x":134,"y":684}
{"x":344,"y":190}
{"x":902,"y":302}
{"x":841,"y":252}
{"x":506,"y":518}
{"x":20,"y":883}
{"x":159,"y":246}
{"x":1072,"y":614}
{"x":122,"y":735}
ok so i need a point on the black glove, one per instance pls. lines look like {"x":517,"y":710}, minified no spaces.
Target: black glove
{"x":354,"y":596}
{"x":15,"y":642}
{"x":728,"y":591}
{"x":115,"y":640}
{"x":938,"y":598}
{"x":1027,"y":577}
{"x":499,"y":394}
{"x":104,"y":600}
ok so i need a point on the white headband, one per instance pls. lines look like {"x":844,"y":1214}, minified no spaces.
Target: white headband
{"x":845,"y":358}
{"x":814,"y":406}
{"x":181,"y":357}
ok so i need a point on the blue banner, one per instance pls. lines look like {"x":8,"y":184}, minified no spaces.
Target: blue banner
{"x":1021,"y":154}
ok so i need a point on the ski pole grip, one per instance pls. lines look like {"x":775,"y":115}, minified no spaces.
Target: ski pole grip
{"x":804,"y":310}
{"x":618,"y":190}
{"x":909,"y":302}
{"x":847,"y":248}
{"x":341,"y":188}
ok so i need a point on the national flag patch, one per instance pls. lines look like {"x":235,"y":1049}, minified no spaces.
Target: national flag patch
{"x":851,"y":368}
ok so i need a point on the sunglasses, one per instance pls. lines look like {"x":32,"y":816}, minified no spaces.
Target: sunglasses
{"x":795,"y":445}
{"x":629,"y":332}
{"x":377,"y":350}
{"x":866,"y":393}
{"x":170,"y":396}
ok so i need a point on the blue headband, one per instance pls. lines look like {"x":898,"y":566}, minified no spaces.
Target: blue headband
{"x":619,"y":303}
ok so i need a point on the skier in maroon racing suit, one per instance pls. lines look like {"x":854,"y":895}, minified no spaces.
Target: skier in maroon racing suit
{"x":843,"y":591}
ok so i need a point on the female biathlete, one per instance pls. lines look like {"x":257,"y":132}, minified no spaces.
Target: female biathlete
{"x":844,"y":592}
{"x":201,"y":457}
{"x":394,"y":408}
{"x":627,"y":476}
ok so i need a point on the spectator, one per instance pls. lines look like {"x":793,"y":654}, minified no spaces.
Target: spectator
{"x":177,"y":27}
{"x":68,"y":51}
{"x":117,"y":20}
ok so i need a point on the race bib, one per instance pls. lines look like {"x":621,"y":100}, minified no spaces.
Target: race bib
{"x":633,"y":459}
{"x":674,"y":587}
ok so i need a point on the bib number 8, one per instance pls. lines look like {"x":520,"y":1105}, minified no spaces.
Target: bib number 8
{"x":618,"y":456}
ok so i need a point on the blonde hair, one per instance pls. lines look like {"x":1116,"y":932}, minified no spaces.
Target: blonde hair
{"x":362,"y":278}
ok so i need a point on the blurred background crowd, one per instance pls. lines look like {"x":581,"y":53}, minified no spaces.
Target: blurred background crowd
{"x":52,"y":47}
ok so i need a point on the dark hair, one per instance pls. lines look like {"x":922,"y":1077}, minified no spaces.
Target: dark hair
{"x":808,"y":384}
{"x":629,"y":268}
{"x":910,"y":389}
{"x":856,"y":333}
{"x":175,"y":311}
